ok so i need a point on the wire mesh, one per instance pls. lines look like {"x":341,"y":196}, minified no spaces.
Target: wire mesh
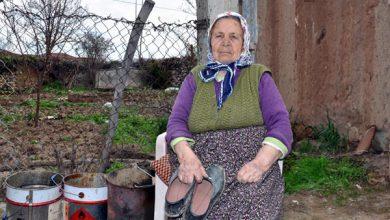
{"x":72,"y":79}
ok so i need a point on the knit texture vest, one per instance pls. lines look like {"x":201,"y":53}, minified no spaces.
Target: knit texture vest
{"x":241,"y":109}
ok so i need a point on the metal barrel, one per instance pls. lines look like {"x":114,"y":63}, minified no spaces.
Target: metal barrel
{"x":85,"y":196}
{"x":130,"y":194}
{"x":34,"y":195}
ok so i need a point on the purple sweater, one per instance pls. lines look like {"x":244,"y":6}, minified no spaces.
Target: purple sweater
{"x":275,"y":115}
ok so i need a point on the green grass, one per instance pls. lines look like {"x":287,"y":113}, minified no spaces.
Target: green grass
{"x":9,"y":118}
{"x":139,"y":130}
{"x":29,"y":103}
{"x":327,"y":176}
{"x":66,"y":138}
{"x":80,"y":104}
{"x":97,"y":118}
{"x":58,"y":89}
{"x":51,"y":104}
{"x":45,"y":104}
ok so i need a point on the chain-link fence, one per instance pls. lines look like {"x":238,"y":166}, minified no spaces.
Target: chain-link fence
{"x":67,"y":65}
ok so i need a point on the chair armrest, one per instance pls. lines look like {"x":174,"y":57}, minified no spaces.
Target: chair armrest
{"x":161,"y":145}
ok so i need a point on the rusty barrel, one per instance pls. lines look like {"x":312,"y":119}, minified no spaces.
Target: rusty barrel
{"x":130,"y":194}
{"x":85,"y":196}
{"x":34,"y":195}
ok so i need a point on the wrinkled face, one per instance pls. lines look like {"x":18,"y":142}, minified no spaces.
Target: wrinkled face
{"x":226,"y":40}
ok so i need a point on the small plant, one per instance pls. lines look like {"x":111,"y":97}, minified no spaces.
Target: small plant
{"x":48,"y":104}
{"x":329,"y":137}
{"x":114,"y":167}
{"x":307,"y":147}
{"x":81,"y":89}
{"x":156,"y":75}
{"x":66,"y":138}
{"x":8,"y":118}
{"x":28,"y":103}
{"x":29,"y":116}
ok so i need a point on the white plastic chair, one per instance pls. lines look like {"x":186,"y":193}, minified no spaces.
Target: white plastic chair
{"x":160,"y":187}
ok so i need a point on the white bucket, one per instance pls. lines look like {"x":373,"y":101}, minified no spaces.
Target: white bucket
{"x":34,"y":195}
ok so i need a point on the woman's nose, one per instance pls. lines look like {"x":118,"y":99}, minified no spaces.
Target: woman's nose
{"x":226,"y":42}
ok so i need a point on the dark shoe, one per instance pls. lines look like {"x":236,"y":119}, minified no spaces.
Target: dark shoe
{"x":206,"y":194}
{"x":177,"y":197}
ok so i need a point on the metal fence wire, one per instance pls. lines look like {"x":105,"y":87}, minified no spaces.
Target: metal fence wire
{"x":66,"y":66}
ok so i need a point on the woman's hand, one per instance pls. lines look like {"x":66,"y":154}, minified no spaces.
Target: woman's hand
{"x":253,"y":171}
{"x":250,"y":173}
{"x":190,"y":166}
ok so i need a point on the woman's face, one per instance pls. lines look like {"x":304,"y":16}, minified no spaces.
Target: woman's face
{"x":226,"y":40}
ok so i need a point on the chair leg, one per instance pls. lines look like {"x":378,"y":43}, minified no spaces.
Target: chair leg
{"x":280,"y":162}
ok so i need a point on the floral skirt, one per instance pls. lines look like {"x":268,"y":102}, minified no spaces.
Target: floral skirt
{"x":231,"y":149}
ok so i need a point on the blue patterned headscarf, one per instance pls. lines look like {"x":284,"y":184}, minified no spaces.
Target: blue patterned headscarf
{"x":213,"y":66}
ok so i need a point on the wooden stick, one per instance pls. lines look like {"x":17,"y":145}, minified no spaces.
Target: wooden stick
{"x":123,"y":79}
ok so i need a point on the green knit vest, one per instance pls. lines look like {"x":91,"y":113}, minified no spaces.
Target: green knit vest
{"x":241,"y":108}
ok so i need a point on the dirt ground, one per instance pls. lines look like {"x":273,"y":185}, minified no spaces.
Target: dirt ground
{"x":372,"y":203}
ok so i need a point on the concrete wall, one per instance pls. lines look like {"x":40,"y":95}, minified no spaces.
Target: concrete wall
{"x":330,"y":56}
{"x":108,"y":79}
{"x":216,"y":7}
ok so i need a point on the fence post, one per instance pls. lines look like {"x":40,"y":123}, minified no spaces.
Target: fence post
{"x":135,"y":35}
{"x":249,"y":11}
{"x":202,"y":25}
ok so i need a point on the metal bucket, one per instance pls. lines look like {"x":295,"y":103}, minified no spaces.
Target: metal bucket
{"x":85,"y":196}
{"x":130,"y":194}
{"x":34,"y":195}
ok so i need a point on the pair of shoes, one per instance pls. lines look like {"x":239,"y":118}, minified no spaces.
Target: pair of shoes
{"x":195,"y":200}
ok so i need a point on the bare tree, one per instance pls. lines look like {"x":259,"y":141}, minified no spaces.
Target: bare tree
{"x":96,"y":48}
{"x":39,"y":27}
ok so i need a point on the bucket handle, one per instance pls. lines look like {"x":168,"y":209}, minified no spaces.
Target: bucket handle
{"x":144,"y":171}
{"x":147,"y":173}
{"x":142,"y":186}
{"x":10,"y":174}
{"x":53,"y":179}
{"x":80,"y":195}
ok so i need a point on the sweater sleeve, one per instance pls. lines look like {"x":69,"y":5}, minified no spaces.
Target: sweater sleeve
{"x":275,"y":115}
{"x":177,"y":127}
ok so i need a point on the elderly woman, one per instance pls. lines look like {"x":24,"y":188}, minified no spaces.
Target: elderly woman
{"x":229,"y":112}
